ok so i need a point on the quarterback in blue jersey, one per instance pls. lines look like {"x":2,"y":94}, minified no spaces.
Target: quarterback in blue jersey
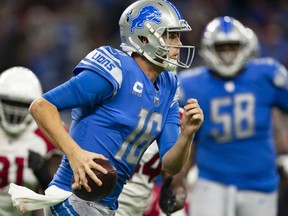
{"x":235,"y":151}
{"x":121,"y":101}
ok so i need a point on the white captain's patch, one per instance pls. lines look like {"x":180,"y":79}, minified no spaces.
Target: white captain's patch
{"x":137,"y":89}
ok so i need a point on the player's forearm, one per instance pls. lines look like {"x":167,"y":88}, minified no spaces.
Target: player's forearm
{"x":49,"y":122}
{"x":191,"y":120}
{"x":176,"y":157}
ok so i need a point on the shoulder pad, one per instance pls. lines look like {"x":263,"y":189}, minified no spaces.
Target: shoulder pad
{"x":103,"y":60}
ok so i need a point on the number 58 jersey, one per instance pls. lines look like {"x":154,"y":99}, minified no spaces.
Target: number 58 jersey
{"x":235,"y":142}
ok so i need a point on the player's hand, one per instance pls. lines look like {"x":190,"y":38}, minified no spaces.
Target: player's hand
{"x":192,"y":117}
{"x":167,"y":200}
{"x":35,"y":160}
{"x":82,"y":163}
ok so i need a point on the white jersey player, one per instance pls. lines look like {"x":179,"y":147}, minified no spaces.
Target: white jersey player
{"x":23,"y":147}
{"x":135,"y":197}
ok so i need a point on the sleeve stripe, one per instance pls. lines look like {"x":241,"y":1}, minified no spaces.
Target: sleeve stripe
{"x":105,"y":52}
{"x":117,"y":74}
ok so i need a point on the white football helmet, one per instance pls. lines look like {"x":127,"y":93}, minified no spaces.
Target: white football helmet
{"x":253,"y":44}
{"x":19,"y":86}
{"x":151,"y":19}
{"x":220,"y":31}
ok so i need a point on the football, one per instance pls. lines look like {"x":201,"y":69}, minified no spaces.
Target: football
{"x":109,"y":181}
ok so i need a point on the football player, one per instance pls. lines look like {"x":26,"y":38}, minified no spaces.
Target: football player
{"x":26,"y":157}
{"x":281,"y":139}
{"x":137,"y":197}
{"x":122,"y":100}
{"x":280,"y":122}
{"x":235,"y":151}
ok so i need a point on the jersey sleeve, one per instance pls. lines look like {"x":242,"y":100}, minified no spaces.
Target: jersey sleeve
{"x":85,"y":89}
{"x":170,"y":132}
{"x":280,"y":75}
{"x":280,"y":82}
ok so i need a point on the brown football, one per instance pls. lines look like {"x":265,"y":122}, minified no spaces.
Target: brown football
{"x":109,"y":181}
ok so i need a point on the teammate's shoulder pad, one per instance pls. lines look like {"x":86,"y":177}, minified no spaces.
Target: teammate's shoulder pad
{"x":192,"y":72}
{"x":265,"y":61}
{"x":112,"y":51}
{"x":273,"y":69}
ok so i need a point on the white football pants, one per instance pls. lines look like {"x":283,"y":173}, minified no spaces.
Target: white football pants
{"x":213,"y":199}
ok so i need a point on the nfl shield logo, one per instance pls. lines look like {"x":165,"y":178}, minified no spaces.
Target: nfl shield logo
{"x":156,"y":100}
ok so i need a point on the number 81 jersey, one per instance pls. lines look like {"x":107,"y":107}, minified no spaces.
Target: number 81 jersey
{"x":14,"y":153}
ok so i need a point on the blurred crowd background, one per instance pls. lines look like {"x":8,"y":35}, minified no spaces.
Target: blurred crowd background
{"x":52,"y":36}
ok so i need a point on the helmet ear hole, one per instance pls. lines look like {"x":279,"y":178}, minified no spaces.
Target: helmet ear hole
{"x":143,"y":39}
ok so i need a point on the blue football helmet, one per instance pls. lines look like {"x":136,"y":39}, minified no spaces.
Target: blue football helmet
{"x":151,"y":19}
{"x":225,"y":31}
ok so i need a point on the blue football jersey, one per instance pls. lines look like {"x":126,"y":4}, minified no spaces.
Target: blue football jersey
{"x":122,"y":126}
{"x":235,"y":142}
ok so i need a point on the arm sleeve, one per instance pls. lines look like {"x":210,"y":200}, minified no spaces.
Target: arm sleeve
{"x":170,"y":132}
{"x":85,"y":89}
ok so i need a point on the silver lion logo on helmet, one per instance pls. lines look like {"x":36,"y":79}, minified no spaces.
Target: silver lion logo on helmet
{"x":147,"y":13}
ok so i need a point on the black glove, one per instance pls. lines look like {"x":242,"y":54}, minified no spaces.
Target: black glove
{"x":167,"y":200}
{"x":35,"y":160}
{"x":40,"y":168}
